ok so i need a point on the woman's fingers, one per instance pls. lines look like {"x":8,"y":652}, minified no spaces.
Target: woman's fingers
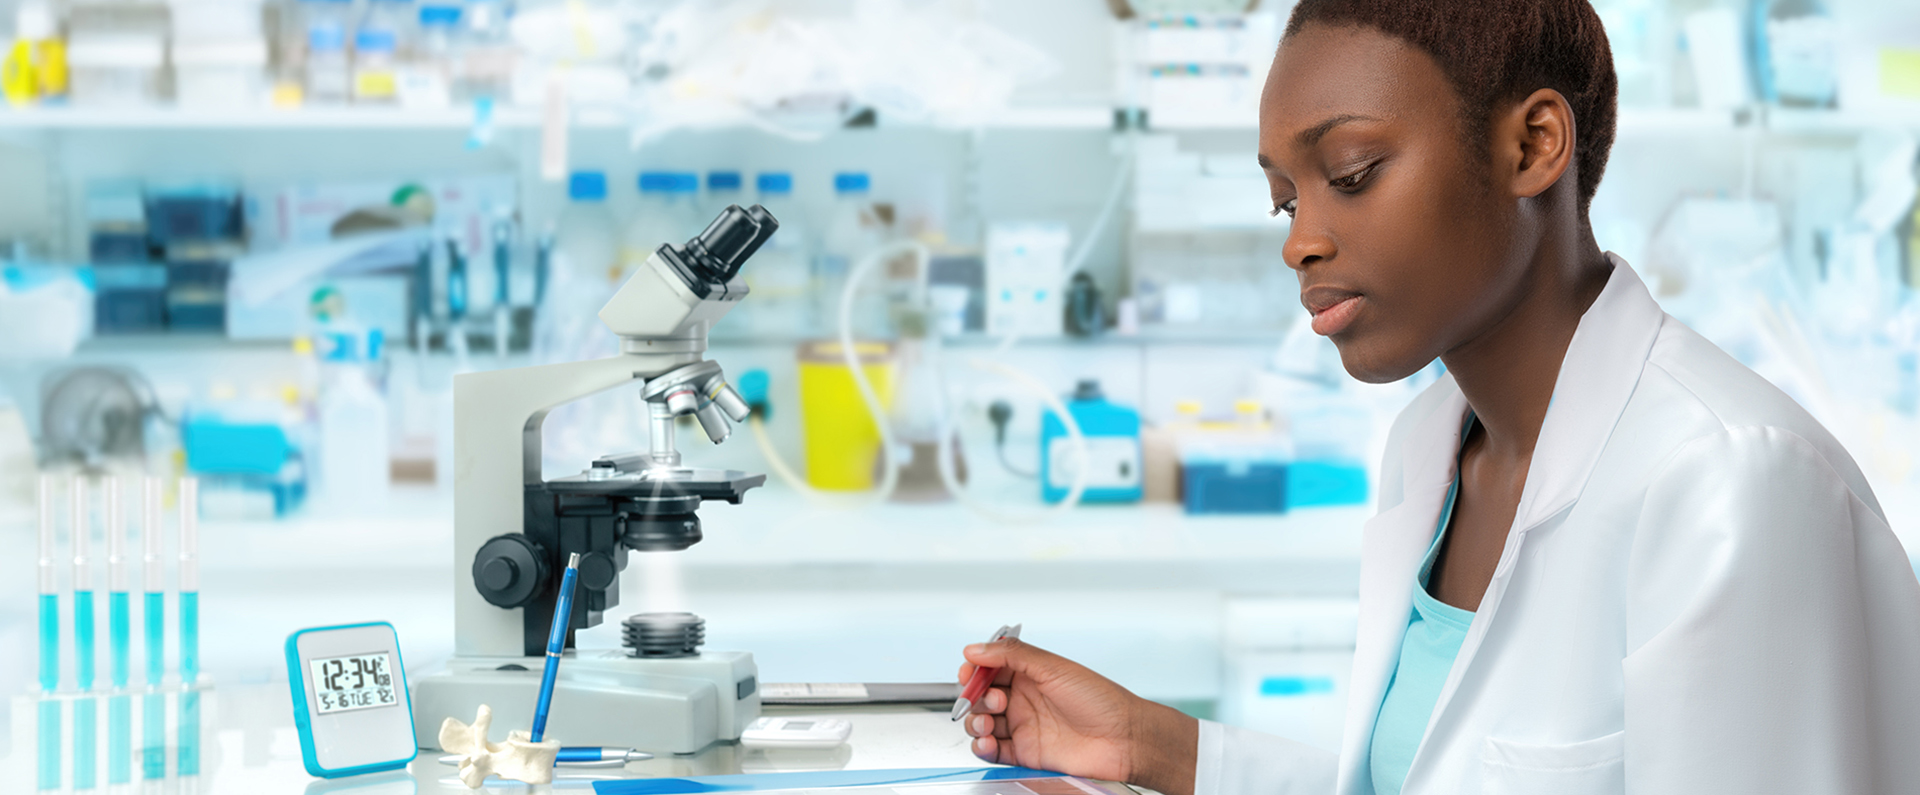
{"x":987,"y":749}
{"x":994,"y":701}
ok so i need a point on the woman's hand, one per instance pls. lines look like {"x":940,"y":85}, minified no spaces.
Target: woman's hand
{"x":1048,"y":712}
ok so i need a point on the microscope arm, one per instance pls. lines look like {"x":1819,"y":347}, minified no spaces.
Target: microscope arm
{"x":497,"y":452}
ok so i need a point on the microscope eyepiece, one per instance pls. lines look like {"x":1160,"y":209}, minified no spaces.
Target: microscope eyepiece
{"x":716,"y":254}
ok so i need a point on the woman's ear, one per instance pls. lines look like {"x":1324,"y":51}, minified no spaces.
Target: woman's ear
{"x":1534,"y":142}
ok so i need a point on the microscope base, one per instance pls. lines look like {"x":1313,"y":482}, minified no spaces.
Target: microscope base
{"x":600,"y":698}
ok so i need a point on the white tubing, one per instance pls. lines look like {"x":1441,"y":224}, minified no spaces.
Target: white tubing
{"x":1074,"y":437}
{"x":890,"y":472}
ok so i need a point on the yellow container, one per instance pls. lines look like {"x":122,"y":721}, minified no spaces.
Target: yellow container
{"x":842,"y":441}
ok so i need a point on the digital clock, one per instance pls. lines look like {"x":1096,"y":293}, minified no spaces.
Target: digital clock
{"x":359,"y":681}
{"x":350,"y":700}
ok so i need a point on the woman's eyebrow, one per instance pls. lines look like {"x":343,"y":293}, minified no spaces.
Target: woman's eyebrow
{"x":1312,"y":135}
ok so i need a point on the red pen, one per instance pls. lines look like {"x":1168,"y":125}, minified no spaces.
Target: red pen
{"x":982,"y":677}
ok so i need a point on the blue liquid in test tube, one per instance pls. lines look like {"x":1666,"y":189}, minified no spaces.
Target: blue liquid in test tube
{"x":118,"y":606}
{"x":189,"y":575}
{"x":155,"y":582}
{"x":82,"y":530}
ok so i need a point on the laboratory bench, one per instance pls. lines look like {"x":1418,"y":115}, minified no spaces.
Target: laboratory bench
{"x":247,"y":744}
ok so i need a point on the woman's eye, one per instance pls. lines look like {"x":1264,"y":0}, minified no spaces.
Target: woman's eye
{"x":1352,"y":181}
{"x":1287,"y":207}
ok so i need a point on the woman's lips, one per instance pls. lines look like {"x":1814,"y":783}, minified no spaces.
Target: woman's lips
{"x":1336,"y":318}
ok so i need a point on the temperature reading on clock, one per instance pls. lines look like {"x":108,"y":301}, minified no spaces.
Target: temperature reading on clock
{"x":359,"y":681}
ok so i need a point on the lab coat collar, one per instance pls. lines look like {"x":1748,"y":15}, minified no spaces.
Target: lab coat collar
{"x":1601,"y":368}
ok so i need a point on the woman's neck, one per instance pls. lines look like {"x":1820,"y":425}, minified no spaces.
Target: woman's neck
{"x":1508,"y":372}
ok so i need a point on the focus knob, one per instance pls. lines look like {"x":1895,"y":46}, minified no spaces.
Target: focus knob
{"x":509,"y":570}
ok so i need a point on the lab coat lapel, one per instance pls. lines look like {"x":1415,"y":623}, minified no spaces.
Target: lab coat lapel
{"x":1392,"y":545}
{"x":1601,"y":369}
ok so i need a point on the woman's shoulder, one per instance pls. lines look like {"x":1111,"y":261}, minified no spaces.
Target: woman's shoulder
{"x":1694,"y":396}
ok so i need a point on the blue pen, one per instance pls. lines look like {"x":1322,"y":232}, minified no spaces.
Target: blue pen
{"x":556,"y":643}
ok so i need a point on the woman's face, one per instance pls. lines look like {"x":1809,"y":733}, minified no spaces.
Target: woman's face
{"x":1404,"y":243}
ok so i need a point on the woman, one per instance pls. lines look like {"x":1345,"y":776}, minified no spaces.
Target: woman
{"x":1608,"y":557}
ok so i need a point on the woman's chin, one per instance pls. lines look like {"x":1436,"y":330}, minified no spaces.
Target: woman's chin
{"x":1369,"y":365}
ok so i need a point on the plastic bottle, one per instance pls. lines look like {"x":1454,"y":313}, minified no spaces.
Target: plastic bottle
{"x":386,"y":30}
{"x":585,"y":242}
{"x":669,"y":213}
{"x":853,"y":231}
{"x":779,"y":277}
{"x":487,"y":53}
{"x":328,"y":70}
{"x":354,"y":461}
{"x":35,"y":67}
{"x":426,"y":73}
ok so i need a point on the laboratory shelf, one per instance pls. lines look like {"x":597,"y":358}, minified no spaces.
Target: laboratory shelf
{"x":779,"y":540}
{"x":455,"y":118}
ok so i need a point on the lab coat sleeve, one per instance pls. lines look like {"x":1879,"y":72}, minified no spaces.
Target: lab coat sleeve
{"x":1772,"y":627}
{"x":1235,"y":761}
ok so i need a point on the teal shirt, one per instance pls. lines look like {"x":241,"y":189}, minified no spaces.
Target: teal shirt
{"x":1435,"y":631}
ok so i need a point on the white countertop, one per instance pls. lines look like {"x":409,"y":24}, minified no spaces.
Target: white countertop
{"x":250,"y":747}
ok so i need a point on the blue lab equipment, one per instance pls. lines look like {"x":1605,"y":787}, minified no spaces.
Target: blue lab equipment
{"x":1112,"y":433}
{"x":254,"y":456}
{"x":1326,"y":483}
{"x":556,"y":644}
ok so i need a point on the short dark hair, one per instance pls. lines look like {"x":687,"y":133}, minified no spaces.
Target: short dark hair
{"x":1496,"y":52}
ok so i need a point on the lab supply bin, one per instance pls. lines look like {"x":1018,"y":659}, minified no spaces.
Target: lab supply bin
{"x":220,"y":75}
{"x":197,"y":287}
{"x":842,"y":442}
{"x":129,"y":298}
{"x":1113,"y":460}
{"x":1234,"y":470}
{"x":192,"y":212}
{"x":116,"y":71}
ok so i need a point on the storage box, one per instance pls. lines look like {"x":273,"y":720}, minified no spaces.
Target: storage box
{"x":129,"y":298}
{"x":115,"y":70}
{"x":230,"y":74}
{"x":191,"y":212}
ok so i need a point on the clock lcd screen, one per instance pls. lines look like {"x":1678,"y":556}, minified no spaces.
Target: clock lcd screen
{"x":357,"y":681}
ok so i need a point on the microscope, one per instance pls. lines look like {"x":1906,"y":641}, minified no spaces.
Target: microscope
{"x":514,"y":531}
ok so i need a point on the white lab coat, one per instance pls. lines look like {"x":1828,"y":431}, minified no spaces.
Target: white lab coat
{"x":1699,"y":594}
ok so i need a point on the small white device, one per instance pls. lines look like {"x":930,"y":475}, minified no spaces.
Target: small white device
{"x":350,"y":699}
{"x":796,"y":733}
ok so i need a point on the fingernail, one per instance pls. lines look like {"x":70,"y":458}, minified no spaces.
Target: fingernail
{"x":976,"y":648}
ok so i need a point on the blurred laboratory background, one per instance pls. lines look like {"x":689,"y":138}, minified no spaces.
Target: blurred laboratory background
{"x":253,"y":242}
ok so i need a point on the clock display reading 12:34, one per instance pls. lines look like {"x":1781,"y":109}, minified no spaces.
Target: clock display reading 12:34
{"x":356,"y":681}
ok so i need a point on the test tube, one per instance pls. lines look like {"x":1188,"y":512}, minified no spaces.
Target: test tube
{"x":189,"y":575}
{"x":118,"y":626}
{"x":154,"y":580}
{"x":49,"y":593}
{"x":83,"y":649}
{"x":49,"y":737}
